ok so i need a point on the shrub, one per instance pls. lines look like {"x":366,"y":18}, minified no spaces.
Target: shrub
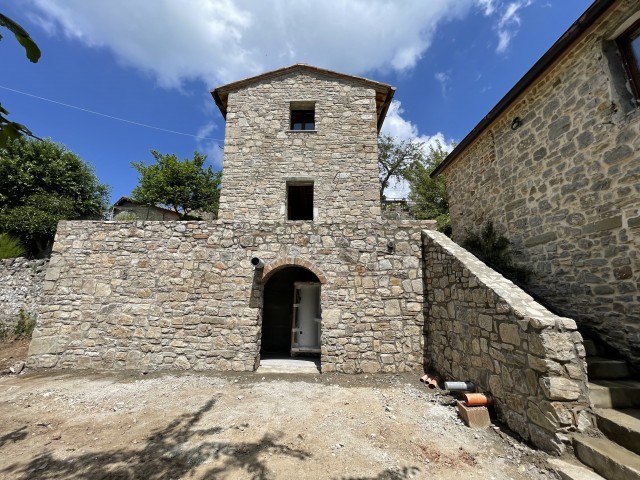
{"x":25,"y":325}
{"x":10,"y":247}
{"x":496,"y":251}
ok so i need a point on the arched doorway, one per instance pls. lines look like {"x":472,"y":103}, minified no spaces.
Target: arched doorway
{"x":291,"y":314}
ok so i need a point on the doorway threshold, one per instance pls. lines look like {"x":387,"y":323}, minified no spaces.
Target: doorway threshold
{"x":289,"y":365}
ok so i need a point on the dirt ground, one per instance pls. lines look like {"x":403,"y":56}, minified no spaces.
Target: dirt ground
{"x":80,"y":425}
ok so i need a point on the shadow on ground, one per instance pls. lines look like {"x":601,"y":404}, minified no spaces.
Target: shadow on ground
{"x":175,"y":451}
{"x":405,"y":474}
{"x":15,"y":436}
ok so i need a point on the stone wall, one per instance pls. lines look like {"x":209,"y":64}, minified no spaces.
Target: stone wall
{"x":21,"y":283}
{"x":565,"y":186}
{"x":482,"y":328}
{"x":340,"y":156}
{"x":182,"y":295}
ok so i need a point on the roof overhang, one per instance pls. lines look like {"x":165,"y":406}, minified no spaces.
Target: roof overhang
{"x":384,"y":92}
{"x":557,"y":50}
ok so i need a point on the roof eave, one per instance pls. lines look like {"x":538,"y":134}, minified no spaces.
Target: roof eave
{"x":575,"y":31}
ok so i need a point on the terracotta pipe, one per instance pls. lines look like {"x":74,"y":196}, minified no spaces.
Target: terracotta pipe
{"x":434,"y":382}
{"x":460,"y":386}
{"x":478,"y":399}
{"x":424,"y":378}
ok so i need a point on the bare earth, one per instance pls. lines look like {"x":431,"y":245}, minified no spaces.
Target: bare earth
{"x":244,"y":426}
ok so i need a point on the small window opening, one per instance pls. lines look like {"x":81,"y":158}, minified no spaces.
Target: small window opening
{"x":300,"y":201}
{"x":303,"y":116}
{"x":629,"y":43}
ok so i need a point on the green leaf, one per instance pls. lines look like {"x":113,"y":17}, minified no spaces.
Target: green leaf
{"x":31,"y":49}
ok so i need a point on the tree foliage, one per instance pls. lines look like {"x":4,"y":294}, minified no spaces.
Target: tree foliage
{"x":413,"y":162}
{"x":185,"y":186}
{"x":11,"y":130}
{"x":429,"y":195}
{"x":41,"y":183}
{"x":395,"y":157}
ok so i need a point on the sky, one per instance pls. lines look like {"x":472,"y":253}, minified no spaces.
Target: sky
{"x":145,"y":68}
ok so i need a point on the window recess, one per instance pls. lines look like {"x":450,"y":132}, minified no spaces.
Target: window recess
{"x":303,"y":116}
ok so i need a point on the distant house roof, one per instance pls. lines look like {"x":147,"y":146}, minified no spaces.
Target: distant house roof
{"x":384,"y":92}
{"x":575,"y":31}
{"x":124,"y":199}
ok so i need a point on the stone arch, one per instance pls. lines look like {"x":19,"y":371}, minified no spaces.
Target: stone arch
{"x":285,"y":262}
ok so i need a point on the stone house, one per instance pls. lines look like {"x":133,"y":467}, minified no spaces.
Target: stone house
{"x":555,"y":165}
{"x":301,"y":262}
{"x":300,"y":199}
{"x":140,"y":210}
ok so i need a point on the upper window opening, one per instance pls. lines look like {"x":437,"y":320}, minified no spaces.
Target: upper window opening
{"x":303,"y":116}
{"x":300,"y":201}
{"x":629,"y":43}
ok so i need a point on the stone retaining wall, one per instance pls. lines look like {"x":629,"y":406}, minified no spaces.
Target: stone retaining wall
{"x":565,"y":186}
{"x":21,"y":283}
{"x":182,"y":295}
{"x":483,"y":328}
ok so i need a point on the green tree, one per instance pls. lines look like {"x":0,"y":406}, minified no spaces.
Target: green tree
{"x":185,"y":186}
{"x":11,"y":130}
{"x":429,"y":195}
{"x":395,"y":157}
{"x":41,"y":183}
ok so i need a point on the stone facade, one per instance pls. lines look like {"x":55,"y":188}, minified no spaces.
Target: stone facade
{"x":483,"y":328}
{"x":340,"y":156}
{"x":21,"y":283}
{"x":565,"y":185}
{"x":183,"y":295}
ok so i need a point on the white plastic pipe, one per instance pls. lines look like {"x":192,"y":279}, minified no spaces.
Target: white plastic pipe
{"x":460,"y":386}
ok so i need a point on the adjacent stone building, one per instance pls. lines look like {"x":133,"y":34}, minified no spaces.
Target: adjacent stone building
{"x":556,"y":167}
{"x":300,"y":261}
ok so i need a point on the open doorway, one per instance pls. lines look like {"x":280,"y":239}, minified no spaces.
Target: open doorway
{"x":291,"y":314}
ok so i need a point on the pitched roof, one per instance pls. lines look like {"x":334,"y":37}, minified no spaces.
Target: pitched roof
{"x":124,"y":199}
{"x":575,"y":31}
{"x":384,"y":92}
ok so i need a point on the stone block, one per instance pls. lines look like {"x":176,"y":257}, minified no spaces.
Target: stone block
{"x":473,"y":417}
{"x":509,"y":333}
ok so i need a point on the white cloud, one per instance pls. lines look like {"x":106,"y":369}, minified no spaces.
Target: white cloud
{"x":489,"y":6}
{"x":218,"y":41}
{"x":509,"y":20}
{"x":402,"y":129}
{"x":443,"y":78}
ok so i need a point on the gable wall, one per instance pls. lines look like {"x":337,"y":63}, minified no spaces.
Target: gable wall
{"x":260,"y":152}
{"x":565,"y":188}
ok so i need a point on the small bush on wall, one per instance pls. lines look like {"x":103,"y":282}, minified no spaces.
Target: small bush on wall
{"x":497,"y":251}
{"x":10,"y":247}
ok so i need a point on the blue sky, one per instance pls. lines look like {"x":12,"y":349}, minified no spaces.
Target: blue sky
{"x":154,"y":62}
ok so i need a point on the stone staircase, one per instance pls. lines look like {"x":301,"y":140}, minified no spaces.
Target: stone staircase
{"x":615,"y":396}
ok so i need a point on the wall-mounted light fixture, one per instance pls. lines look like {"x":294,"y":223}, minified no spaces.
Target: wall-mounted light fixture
{"x":516,"y":124}
{"x":391,"y":246}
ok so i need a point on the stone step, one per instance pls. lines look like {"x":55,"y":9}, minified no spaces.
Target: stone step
{"x":609,"y":368}
{"x":607,"y":458}
{"x":571,"y":471}
{"x":615,"y":393}
{"x":593,"y":349}
{"x":621,"y":426}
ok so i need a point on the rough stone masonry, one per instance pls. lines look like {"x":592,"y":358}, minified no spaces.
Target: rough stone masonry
{"x":183,"y":295}
{"x":150,"y":295}
{"x":565,"y":185}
